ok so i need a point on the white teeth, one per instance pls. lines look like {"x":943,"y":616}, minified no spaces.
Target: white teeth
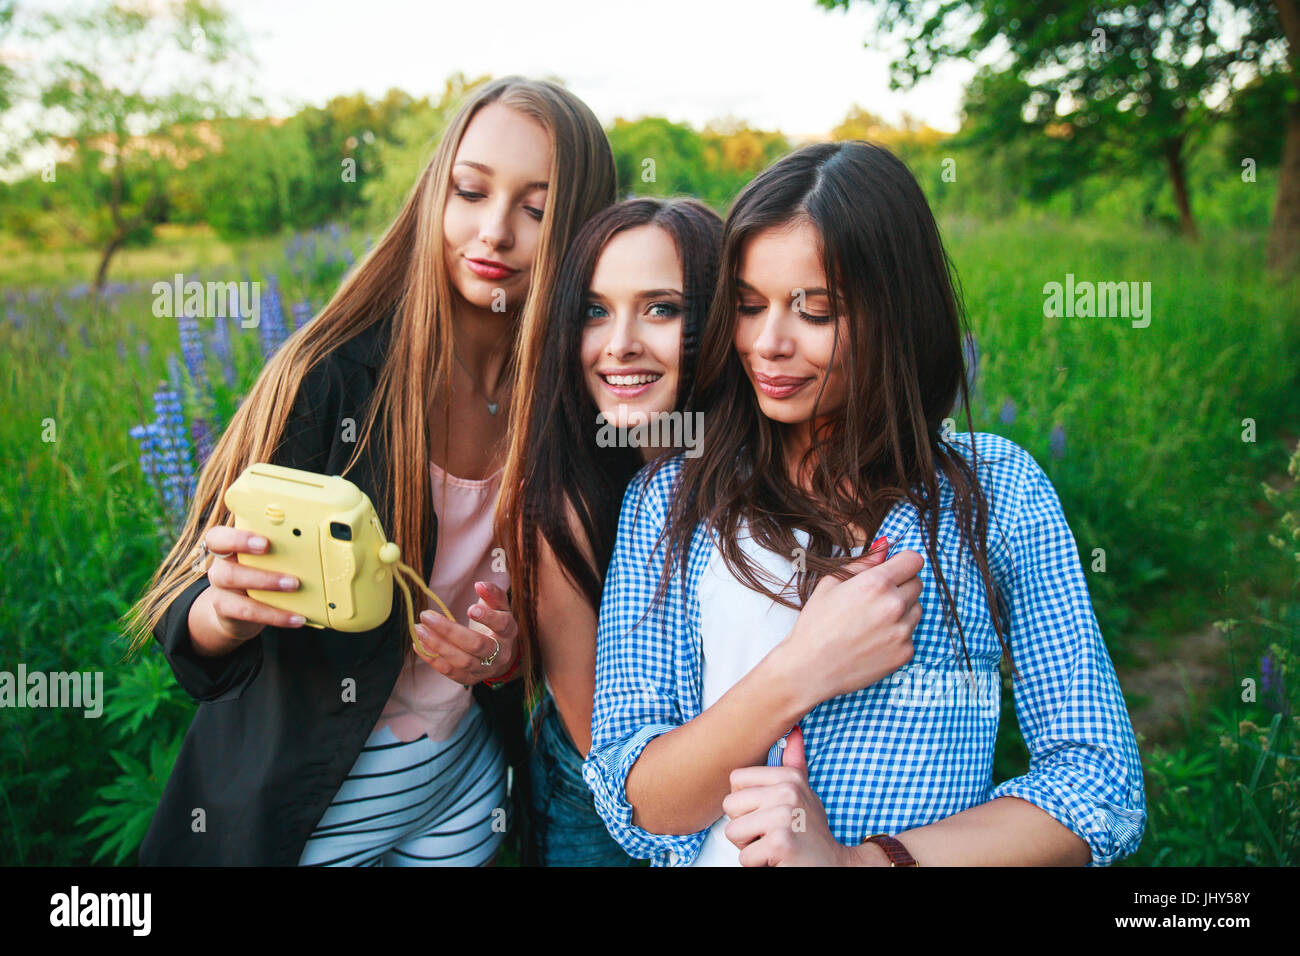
{"x":631,"y":379}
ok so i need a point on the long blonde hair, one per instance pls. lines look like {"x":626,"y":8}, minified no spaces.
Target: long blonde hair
{"x":403,"y":275}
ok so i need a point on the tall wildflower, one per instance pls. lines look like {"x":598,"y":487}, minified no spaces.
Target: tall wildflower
{"x":272,"y":329}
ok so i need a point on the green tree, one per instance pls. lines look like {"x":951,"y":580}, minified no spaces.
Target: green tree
{"x":126,"y":96}
{"x":1127,"y":78}
{"x":399,"y":156}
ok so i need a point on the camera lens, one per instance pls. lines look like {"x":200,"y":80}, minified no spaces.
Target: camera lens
{"x":341,"y":531}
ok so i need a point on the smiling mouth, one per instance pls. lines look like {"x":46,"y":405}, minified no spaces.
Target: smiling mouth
{"x":631,"y":381}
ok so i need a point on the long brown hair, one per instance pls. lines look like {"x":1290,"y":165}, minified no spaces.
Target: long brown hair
{"x":555,"y":462}
{"x":888,"y":273}
{"x":404,"y":276}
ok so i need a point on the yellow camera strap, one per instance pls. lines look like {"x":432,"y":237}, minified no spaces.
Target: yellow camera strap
{"x":399,"y":569}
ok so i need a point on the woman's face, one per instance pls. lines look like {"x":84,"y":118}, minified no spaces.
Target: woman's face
{"x":632,"y":332}
{"x":492,"y":222}
{"x":784,"y":330}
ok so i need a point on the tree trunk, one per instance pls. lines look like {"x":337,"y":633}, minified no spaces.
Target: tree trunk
{"x":101,"y":277}
{"x":1178,"y":179}
{"x":1284,"y":233}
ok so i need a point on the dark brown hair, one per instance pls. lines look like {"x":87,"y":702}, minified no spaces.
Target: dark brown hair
{"x":888,"y":273}
{"x":560,"y":463}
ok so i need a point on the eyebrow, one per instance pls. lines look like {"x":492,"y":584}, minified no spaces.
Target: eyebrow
{"x":484,"y":167}
{"x":741,"y":283}
{"x":647,"y":294}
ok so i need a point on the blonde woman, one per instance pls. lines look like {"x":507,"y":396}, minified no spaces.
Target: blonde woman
{"x":320,"y":747}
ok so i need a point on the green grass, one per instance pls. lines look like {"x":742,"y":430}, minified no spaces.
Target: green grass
{"x":1154,"y":471}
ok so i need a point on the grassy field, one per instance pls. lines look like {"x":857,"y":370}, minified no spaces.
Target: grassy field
{"x":1140,"y":429}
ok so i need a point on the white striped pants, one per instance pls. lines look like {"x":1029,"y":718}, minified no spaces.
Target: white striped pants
{"x":422,"y":803}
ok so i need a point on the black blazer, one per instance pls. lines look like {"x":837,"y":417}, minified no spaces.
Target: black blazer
{"x":274,"y":738}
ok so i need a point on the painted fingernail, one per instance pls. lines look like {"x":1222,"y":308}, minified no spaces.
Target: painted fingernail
{"x":288,"y":584}
{"x":476,"y":611}
{"x":297,"y":620}
{"x":257,"y":543}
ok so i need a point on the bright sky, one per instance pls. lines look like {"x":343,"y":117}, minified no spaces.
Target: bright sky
{"x":783,"y":64}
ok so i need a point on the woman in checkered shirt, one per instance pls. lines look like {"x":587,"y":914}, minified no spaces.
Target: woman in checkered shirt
{"x":743,"y":598}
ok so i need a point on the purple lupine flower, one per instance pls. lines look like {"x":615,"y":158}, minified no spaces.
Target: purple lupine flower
{"x":201,"y":436}
{"x":301,"y":314}
{"x":1007,"y":415}
{"x":1272,"y":683}
{"x":165,"y":456}
{"x":222,"y":349}
{"x":271,"y":329}
{"x":1057,"y":441}
{"x":192,"y":350}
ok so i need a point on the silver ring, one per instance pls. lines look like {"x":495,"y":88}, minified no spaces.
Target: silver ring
{"x":205,"y":553}
{"x":489,"y":661}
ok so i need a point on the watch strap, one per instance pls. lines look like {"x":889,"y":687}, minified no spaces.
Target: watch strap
{"x":895,"y":851}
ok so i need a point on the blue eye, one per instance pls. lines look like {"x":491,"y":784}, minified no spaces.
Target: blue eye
{"x":593,"y":311}
{"x":671,"y":310}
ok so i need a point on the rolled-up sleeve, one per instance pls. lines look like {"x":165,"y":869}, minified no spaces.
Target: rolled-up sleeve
{"x":637,"y":675}
{"x":1084,"y":767}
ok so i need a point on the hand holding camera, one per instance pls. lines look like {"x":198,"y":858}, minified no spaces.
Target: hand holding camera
{"x":224,"y":616}
{"x":309,"y":549}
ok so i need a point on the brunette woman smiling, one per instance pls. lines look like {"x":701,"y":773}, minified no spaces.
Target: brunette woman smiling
{"x":619,"y":350}
{"x":743,"y":598}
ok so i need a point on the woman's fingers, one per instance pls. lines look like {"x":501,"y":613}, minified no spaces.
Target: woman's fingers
{"x":910,"y":591}
{"x":492,"y":595}
{"x":233,"y":576}
{"x":498,"y":621}
{"x":448,"y":639}
{"x":472,"y":642}
{"x":222,"y":539}
{"x":744,"y":830}
{"x":234,"y":606}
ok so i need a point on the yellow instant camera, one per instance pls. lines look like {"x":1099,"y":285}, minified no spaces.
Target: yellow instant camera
{"x":324,"y":531}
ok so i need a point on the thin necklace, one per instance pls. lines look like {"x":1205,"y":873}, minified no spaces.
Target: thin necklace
{"x":492,"y":407}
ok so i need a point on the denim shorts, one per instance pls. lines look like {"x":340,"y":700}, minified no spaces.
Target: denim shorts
{"x":567,"y":830}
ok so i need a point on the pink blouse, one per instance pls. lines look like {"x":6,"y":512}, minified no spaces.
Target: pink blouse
{"x":424,"y":701}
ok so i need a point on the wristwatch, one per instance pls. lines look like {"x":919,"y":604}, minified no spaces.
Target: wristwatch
{"x":895,"y":851}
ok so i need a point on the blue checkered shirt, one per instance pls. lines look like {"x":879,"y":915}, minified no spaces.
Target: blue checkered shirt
{"x":916,"y":746}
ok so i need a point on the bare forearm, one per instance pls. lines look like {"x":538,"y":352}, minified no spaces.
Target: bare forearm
{"x":1007,"y":831}
{"x":678,"y":783}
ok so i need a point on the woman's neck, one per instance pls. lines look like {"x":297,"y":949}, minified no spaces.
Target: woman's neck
{"x":482,"y":340}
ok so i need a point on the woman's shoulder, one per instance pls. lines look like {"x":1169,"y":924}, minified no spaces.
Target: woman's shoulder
{"x":1005,"y":470}
{"x":656,"y":479}
{"x":994,"y":455}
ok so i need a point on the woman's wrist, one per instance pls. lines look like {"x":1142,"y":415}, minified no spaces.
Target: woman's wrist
{"x":791,"y":689}
{"x":206,"y":635}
